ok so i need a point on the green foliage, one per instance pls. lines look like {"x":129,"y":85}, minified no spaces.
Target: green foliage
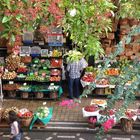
{"x":129,"y":73}
{"x":86,"y":20}
{"x":73,"y":56}
{"x":129,"y":9}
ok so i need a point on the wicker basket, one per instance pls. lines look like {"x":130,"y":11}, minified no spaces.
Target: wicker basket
{"x":10,"y":87}
{"x":1,"y":112}
{"x":53,"y":95}
{"x":24,"y":95}
{"x":127,"y":125}
{"x":26,"y":59}
{"x":26,"y":121}
{"x":12,"y":94}
{"x":39,"y":95}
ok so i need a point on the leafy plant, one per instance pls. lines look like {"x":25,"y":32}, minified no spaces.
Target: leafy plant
{"x":129,"y":9}
{"x":121,"y":91}
{"x":73,"y":56}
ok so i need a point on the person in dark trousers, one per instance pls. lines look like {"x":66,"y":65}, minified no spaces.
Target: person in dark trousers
{"x":16,"y":132}
{"x":75,"y":69}
{"x":91,"y":61}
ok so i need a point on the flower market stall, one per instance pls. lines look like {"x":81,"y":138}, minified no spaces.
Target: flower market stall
{"x":105,"y":29}
{"x":99,"y":116}
{"x":41,"y":116}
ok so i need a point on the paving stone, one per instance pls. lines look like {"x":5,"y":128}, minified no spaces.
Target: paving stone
{"x":59,"y":113}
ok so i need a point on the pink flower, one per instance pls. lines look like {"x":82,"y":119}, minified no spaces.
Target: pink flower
{"x":16,"y":50}
{"x":111,"y":112}
{"x":108,"y":124}
{"x":68,"y":103}
{"x":92,"y":120}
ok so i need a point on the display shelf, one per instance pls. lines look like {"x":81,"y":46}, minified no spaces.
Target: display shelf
{"x":21,"y":80}
{"x":31,"y":74}
{"x":106,"y":95}
{"x":3,"y":48}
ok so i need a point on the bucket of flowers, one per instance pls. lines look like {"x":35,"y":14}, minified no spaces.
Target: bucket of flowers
{"x":41,"y":114}
{"x":26,"y":116}
{"x":127,"y":120}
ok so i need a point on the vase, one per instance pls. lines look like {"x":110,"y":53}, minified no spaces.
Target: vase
{"x":53,"y":95}
{"x":127,"y":125}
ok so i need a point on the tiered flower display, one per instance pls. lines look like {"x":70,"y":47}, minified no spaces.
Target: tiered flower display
{"x":84,"y":20}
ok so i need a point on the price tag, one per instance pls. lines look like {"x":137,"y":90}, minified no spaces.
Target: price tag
{"x":25,"y":84}
{"x":11,"y":82}
{"x":41,"y":43}
{"x":31,"y":74}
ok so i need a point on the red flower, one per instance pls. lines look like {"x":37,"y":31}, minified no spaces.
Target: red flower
{"x":108,"y":124}
{"x":92,"y":120}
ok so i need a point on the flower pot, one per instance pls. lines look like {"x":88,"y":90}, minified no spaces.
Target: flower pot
{"x":26,"y":59}
{"x":111,"y":36}
{"x":1,"y":112}
{"x":26,"y":121}
{"x":25,"y":95}
{"x":39,"y":95}
{"x":53,"y":95}
{"x":123,"y":21}
{"x":126,"y":125}
{"x":12,"y":94}
{"x":133,"y":22}
{"x":91,"y":125}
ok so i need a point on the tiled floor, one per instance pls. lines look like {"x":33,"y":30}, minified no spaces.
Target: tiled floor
{"x":59,"y":113}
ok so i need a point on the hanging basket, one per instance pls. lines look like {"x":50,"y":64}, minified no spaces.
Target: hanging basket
{"x":127,"y":125}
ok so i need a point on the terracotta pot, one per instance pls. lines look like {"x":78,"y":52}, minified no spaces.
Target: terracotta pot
{"x":107,"y":42}
{"x":128,"y":53}
{"x":121,"y":37}
{"x":132,"y":57}
{"x":136,"y":38}
{"x":108,"y":50}
{"x":26,"y":121}
{"x":25,"y":95}
{"x":39,"y":95}
{"x":53,"y":95}
{"x":133,"y":22}
{"x":123,"y":21}
{"x":127,"y":125}
{"x":12,"y":94}
{"x":111,"y":36}
{"x":124,"y":31}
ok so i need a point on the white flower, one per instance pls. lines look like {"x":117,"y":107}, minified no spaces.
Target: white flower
{"x":72,"y":12}
{"x":99,"y":66}
{"x":108,"y":65}
{"x":44,"y":103}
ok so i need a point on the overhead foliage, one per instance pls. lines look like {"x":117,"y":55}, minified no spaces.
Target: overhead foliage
{"x":121,"y":91}
{"x":129,"y":9}
{"x":85,"y":20}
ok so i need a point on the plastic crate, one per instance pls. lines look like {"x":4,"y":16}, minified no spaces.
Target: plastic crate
{"x":1,"y":60}
{"x":25,"y":50}
{"x":55,"y":30}
{"x":28,"y":37}
{"x":44,"y":52}
{"x":35,"y":51}
{"x":55,"y":39}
